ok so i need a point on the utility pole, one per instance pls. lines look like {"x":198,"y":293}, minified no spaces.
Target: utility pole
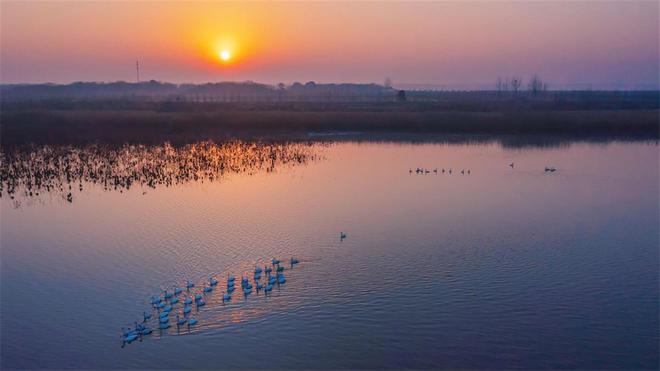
{"x":137,"y":70}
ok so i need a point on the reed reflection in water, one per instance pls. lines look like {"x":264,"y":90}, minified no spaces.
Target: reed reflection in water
{"x":31,"y":170}
{"x":509,"y":267}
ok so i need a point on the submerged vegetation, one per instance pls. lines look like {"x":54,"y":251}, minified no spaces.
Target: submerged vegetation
{"x":28,"y":171}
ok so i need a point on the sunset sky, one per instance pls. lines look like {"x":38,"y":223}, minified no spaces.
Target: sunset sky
{"x":468,"y":44}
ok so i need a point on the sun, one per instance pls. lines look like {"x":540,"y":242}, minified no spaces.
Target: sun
{"x":225,"y":55}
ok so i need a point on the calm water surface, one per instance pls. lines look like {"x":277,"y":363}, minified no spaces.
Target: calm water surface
{"x":503,"y":268}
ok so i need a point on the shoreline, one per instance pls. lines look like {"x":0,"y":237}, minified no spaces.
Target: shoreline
{"x":78,"y":126}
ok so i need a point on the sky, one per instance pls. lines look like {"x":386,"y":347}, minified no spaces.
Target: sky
{"x":592,"y":44}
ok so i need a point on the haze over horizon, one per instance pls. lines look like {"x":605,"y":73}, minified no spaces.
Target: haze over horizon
{"x":609,"y":45}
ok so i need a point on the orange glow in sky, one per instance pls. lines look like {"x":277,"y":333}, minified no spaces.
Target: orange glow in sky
{"x":439,"y":42}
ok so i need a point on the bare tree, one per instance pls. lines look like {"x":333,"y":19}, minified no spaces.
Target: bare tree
{"x":516,"y":82}
{"x":536,"y":85}
{"x":499,"y":85}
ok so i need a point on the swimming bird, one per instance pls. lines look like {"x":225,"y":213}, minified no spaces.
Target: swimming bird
{"x":247,"y":291}
{"x":174,"y":301}
{"x":164,"y":319}
{"x":163,"y":315}
{"x":257,"y":276}
{"x":208,"y":289}
{"x":145,"y":330}
{"x":280,"y":268}
{"x":187,"y":301}
{"x":435,"y":171}
{"x":281,"y":279}
{"x":177,"y":290}
{"x":180,"y":322}
{"x":226,"y":297}
{"x":201,"y":303}
{"x":257,"y":269}
{"x":189,"y":285}
{"x":468,"y":172}
{"x":259,"y":287}
{"x":192,"y":322}
{"x":230,"y":289}
{"x":167,"y":295}
{"x":126,"y":331}
{"x":168,"y":308}
{"x":294,"y":261}
{"x":268,"y":269}
{"x":187,"y":309}
{"x":511,"y":164}
{"x":269,"y":287}
{"x":213,"y":281}
{"x":275,"y":261}
{"x":146,"y":315}
{"x":160,"y":305}
{"x":198,"y":297}
{"x":230,"y":278}
{"x":342,"y":235}
{"x":272,"y":280}
{"x":155,"y":300}
{"x":130,"y":337}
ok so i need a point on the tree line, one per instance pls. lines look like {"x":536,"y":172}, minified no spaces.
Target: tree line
{"x":515,"y":84}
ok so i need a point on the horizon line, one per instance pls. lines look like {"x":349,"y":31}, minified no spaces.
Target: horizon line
{"x":422,"y":86}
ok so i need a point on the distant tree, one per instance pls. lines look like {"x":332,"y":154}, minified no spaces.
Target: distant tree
{"x":310,"y":84}
{"x":506,"y":84}
{"x":401,"y":96}
{"x":516,"y":83}
{"x":536,"y":85}
{"x":503,"y":84}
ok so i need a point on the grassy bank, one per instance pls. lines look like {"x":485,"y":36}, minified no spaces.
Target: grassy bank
{"x":49,"y":126}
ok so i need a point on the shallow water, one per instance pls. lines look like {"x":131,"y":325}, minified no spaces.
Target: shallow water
{"x":502,"y":268}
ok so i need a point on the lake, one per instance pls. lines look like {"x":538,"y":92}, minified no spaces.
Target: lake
{"x":507,"y":266}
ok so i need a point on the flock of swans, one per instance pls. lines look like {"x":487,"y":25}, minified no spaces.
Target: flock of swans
{"x":423,"y":171}
{"x":171,"y":305}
